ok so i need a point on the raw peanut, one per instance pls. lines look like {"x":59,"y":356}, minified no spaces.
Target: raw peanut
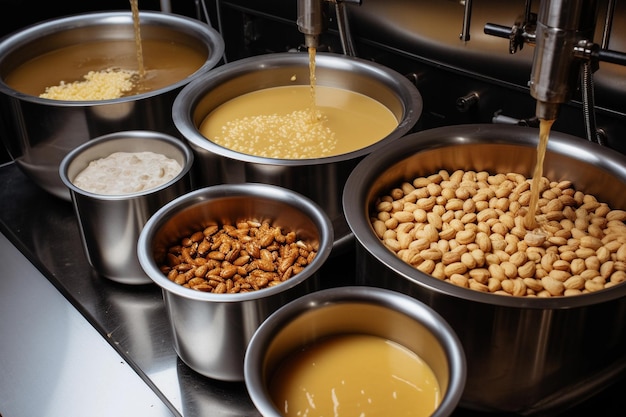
{"x":419,"y":244}
{"x":438,"y":272}
{"x":559,"y":275}
{"x":427,"y":266}
{"x":527,"y":270}
{"x":619,"y":215}
{"x":421,"y":182}
{"x":468,"y":260}
{"x":603,"y":254}
{"x":519,"y":287}
{"x":553,"y":286}
{"x":575,"y":282}
{"x":447,"y":234}
{"x":433,"y":254}
{"x":533,"y":284}
{"x":561,"y":265}
{"x":593,"y":286}
{"x":403,"y":216}
{"x":392,"y":244}
{"x":411,"y":257}
{"x":589,"y":274}
{"x":431,"y":233}
{"x":534,"y":239}
{"x":466,"y":236}
{"x":577,"y":266}
{"x":607,"y":269}
{"x":455,"y":268}
{"x":404,"y":240}
{"x":480,"y":275}
{"x":510,"y":270}
{"x":593,"y":263}
{"x":585,"y":253}
{"x":617,"y":277}
{"x":620,"y":255}
{"x":477,"y":286}
{"x":479,"y":256}
{"x":459,"y":280}
{"x":590,"y":242}
{"x":450,"y":257}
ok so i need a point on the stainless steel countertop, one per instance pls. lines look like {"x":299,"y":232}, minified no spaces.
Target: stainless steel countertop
{"x":55,"y":357}
{"x":75,"y":344}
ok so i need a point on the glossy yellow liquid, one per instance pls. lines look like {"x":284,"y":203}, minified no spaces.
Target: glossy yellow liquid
{"x":354,"y":376}
{"x":165,"y":63}
{"x":530,"y":221}
{"x":134,"y":7}
{"x":346,"y":121}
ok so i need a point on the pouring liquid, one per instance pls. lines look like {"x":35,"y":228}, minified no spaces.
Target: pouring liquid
{"x":134,"y":6}
{"x":312,"y":81}
{"x":530,"y":221}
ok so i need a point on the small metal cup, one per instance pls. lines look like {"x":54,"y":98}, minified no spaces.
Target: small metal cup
{"x":211,"y":331}
{"x":110,"y":224}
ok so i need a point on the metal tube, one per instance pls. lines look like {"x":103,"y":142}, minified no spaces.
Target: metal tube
{"x":310,"y":21}
{"x":552,"y":71}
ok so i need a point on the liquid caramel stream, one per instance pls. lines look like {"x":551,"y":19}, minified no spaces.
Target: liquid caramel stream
{"x":530,"y":221}
{"x":312,"y":81}
{"x":134,"y":5}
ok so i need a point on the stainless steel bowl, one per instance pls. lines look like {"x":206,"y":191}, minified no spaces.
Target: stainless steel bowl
{"x":39,"y":132}
{"x":524,"y":355}
{"x":211,"y":331}
{"x":319,"y":179}
{"x":362,"y":310}
{"x":110,"y":224}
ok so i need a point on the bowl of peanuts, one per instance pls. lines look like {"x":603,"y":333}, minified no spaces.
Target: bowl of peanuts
{"x":538,"y":308}
{"x":226,"y":257}
{"x":364,"y":351}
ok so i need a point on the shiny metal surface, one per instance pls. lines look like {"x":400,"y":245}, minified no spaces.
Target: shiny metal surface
{"x":555,"y":72}
{"x":363,"y":310}
{"x":133,"y":318}
{"x":319,"y":179}
{"x":39,"y":132}
{"x":110,"y":224}
{"x":533,"y":354}
{"x":50,"y":349}
{"x":211,"y":331}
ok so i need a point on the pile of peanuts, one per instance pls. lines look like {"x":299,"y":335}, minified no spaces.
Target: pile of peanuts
{"x":248,"y":256}
{"x":467,"y":228}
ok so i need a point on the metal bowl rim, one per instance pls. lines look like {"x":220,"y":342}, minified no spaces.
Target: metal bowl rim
{"x":193,"y":92}
{"x":264,"y":191}
{"x":399,"y":302}
{"x":129,"y":134}
{"x":27,"y":35}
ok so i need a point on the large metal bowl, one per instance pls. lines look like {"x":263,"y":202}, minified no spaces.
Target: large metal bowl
{"x":320,"y":179}
{"x":39,"y":132}
{"x":524,"y":355}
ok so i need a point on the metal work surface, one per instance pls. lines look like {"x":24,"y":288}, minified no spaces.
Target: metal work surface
{"x":53,"y":361}
{"x":132,"y":319}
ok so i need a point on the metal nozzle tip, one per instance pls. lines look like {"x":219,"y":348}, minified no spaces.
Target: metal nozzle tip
{"x":311,"y":41}
{"x":547,"y":111}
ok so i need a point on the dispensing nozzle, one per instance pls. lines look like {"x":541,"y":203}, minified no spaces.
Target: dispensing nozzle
{"x":555,"y":74}
{"x":311,"y":21}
